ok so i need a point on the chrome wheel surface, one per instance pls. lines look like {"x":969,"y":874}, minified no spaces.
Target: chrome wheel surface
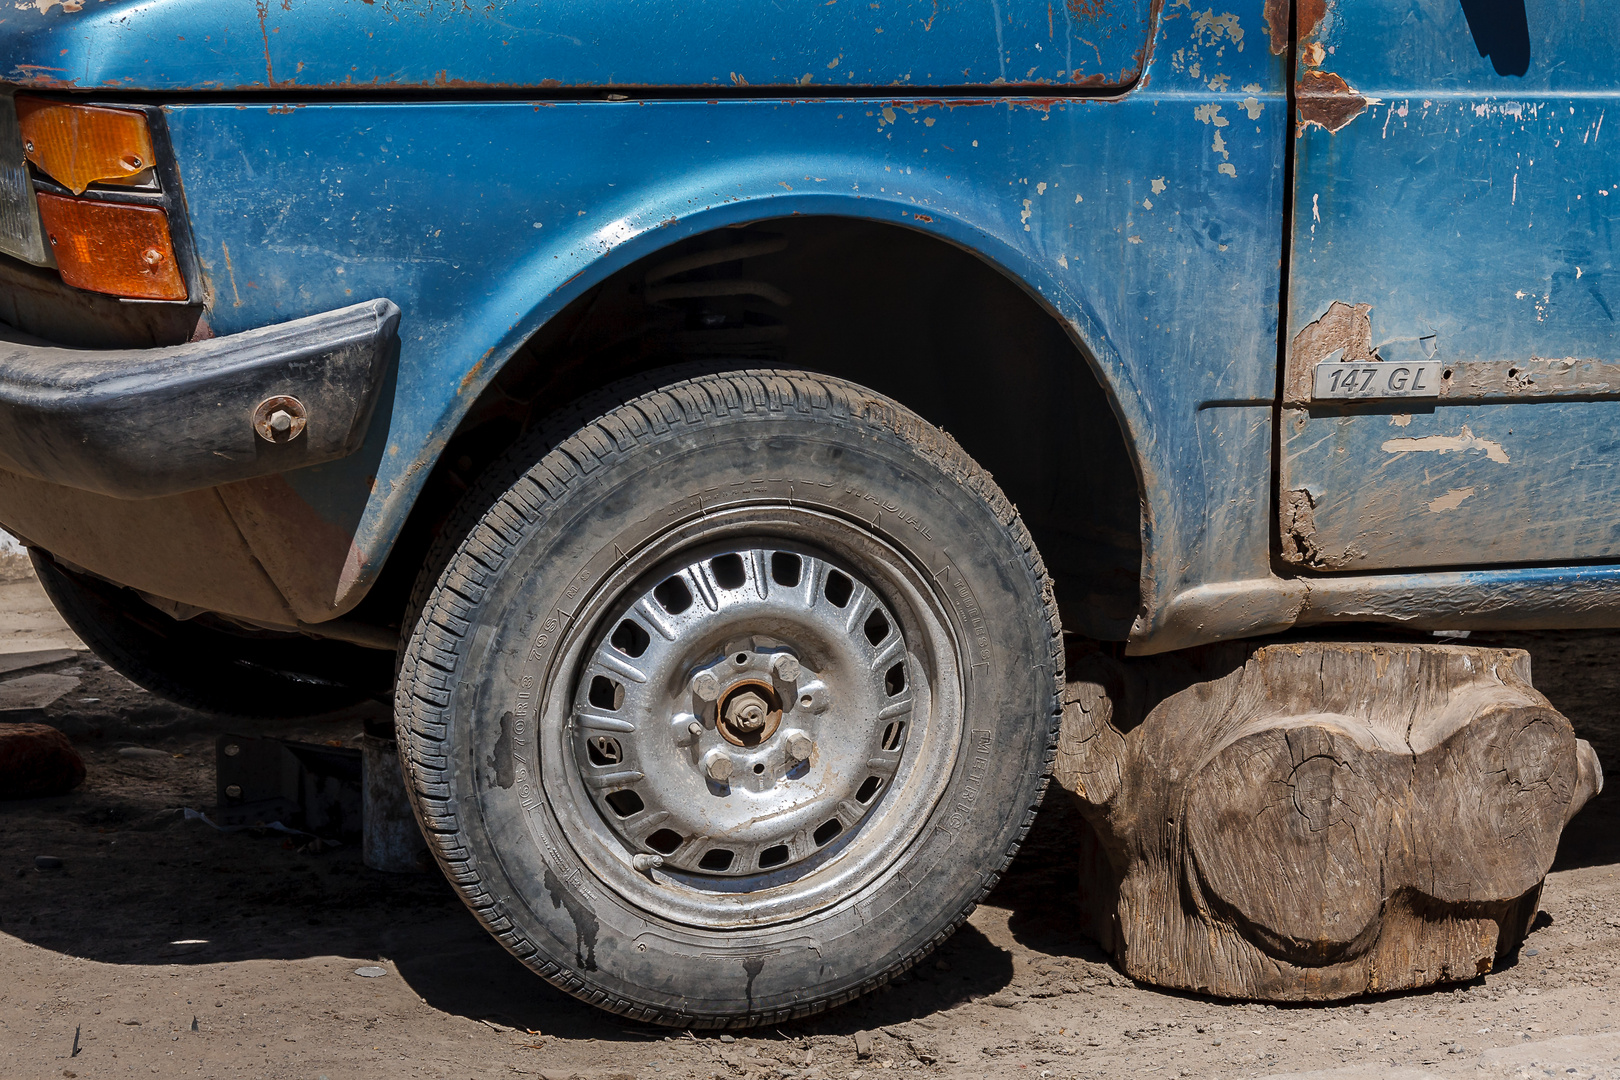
{"x":769,"y":695}
{"x":763,"y":706}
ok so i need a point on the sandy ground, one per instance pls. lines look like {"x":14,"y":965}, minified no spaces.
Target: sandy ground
{"x":165,"y":948}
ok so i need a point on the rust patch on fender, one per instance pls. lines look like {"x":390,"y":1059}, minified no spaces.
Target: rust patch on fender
{"x":1311,"y":14}
{"x":1342,"y":326}
{"x":472,"y":374}
{"x":1327,"y":101}
{"x":1276,"y":14}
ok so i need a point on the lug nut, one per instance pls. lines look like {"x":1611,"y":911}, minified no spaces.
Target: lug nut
{"x":705,"y":685}
{"x":646,"y":863}
{"x":694,"y":728}
{"x":799,"y":746}
{"x":786,"y":667}
{"x":720,"y":769}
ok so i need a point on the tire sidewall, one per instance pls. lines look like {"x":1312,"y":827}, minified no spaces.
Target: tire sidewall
{"x":566,"y":525}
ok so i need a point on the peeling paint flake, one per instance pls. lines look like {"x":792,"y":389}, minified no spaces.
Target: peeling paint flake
{"x":1448,"y":444}
{"x":1209,"y":28}
{"x":1450,"y":500}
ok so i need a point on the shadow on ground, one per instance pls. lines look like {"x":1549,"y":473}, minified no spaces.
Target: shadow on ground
{"x":139,"y":886}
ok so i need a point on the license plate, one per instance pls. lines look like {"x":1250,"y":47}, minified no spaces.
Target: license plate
{"x":1385,"y":379}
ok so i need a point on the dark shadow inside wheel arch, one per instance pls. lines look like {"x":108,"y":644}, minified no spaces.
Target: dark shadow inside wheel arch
{"x":902,"y":312}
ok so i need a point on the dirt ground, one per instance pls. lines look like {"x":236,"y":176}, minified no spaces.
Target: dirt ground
{"x":162,"y":947}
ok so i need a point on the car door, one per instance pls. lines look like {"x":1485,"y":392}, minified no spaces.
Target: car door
{"x":1451,"y":387}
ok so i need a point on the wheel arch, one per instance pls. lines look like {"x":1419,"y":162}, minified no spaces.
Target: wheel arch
{"x":1088,"y":508}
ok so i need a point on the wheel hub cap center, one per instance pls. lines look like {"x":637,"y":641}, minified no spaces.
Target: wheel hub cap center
{"x":749,"y":714}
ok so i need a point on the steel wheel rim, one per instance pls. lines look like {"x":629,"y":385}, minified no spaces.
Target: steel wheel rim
{"x":818,"y":871}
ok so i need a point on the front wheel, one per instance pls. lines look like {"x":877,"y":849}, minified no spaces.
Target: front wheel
{"x":734,"y":703}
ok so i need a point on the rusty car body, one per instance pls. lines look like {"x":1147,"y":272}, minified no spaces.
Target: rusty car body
{"x":1152,"y":263}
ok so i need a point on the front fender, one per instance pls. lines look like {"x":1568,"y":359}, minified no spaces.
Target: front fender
{"x":1157,"y":247}
{"x":484,"y":220}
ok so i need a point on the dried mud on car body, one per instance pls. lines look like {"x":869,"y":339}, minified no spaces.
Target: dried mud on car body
{"x":172,"y":949}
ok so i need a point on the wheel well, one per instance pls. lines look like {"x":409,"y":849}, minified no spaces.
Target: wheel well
{"x":896,"y":310}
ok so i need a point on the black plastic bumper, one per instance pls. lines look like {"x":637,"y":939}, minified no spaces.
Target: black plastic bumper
{"x":138,"y":423}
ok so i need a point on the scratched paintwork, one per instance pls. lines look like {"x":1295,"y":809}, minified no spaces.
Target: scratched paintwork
{"x":1474,"y":212}
{"x":1148,"y":219}
{"x":349,"y":44}
{"x":482,"y":219}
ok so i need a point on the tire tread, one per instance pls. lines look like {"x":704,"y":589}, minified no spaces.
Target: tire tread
{"x":512,"y":496}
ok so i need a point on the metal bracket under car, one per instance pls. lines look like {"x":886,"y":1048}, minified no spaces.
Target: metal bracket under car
{"x":139,"y":423}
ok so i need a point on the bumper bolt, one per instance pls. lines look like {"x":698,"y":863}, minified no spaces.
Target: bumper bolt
{"x":280,"y":419}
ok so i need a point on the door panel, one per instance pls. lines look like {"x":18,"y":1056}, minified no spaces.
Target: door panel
{"x":898,"y":44}
{"x":1457,"y":181}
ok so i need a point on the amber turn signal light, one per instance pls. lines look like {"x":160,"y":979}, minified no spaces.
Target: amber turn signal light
{"x":116,"y":248}
{"x":77,"y":145}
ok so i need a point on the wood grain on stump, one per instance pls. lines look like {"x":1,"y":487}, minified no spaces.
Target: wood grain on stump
{"x":1315,"y":821}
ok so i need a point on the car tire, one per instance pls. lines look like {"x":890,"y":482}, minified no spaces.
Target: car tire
{"x":728,"y":706}
{"x":218,"y":669}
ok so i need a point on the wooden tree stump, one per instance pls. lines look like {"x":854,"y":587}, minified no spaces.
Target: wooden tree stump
{"x":1314,"y":821}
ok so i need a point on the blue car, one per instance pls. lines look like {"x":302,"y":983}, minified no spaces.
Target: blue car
{"x":711,"y":422}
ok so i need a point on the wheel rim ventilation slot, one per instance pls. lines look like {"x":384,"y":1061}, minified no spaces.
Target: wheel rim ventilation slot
{"x":673,"y":596}
{"x":625,"y":803}
{"x":877,"y":627}
{"x":717,"y":860}
{"x":786,"y":568}
{"x":630,"y":639}
{"x":606,"y":694}
{"x":837,"y":588}
{"x":728,"y":571}
{"x":604,"y":750}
